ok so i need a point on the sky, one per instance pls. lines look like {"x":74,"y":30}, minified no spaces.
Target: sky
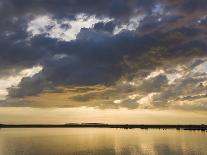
{"x":110,"y":61}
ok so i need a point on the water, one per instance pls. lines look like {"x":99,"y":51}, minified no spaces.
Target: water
{"x":101,"y":142}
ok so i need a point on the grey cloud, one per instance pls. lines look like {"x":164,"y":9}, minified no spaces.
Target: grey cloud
{"x":155,"y":84}
{"x":191,"y":98}
{"x":191,"y":5}
{"x":108,"y":27}
{"x":12,"y":10}
{"x":187,"y":86}
{"x":29,"y":87}
{"x":99,"y":57}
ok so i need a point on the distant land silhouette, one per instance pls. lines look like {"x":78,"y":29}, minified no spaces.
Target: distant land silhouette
{"x":201,"y":127}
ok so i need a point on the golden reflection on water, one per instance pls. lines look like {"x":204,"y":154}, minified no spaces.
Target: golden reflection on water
{"x":101,"y":142}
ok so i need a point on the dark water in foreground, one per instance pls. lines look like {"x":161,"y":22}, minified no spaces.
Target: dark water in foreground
{"x":101,"y":142}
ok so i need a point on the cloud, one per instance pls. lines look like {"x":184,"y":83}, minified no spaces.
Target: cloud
{"x":66,"y":30}
{"x":154,"y":84}
{"x":13,"y":11}
{"x":147,"y":53}
{"x":13,"y":81}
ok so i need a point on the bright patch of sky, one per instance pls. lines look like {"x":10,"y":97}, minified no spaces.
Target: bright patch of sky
{"x":155,"y":73}
{"x":133,"y":24}
{"x":66,"y":30}
{"x":146,"y":100}
{"x":117,"y":101}
{"x":178,"y":73}
{"x":201,"y":68}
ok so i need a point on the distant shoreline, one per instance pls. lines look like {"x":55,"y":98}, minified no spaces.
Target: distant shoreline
{"x":99,"y":125}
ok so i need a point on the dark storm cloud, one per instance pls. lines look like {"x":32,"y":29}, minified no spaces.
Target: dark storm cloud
{"x":94,"y":58}
{"x":97,"y":58}
{"x":168,"y":34}
{"x":17,"y":52}
{"x":155,"y":84}
{"x":192,"y":5}
{"x":11,"y":11}
{"x":108,"y":27}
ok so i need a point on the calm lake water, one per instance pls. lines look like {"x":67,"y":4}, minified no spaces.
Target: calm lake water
{"x":101,"y":142}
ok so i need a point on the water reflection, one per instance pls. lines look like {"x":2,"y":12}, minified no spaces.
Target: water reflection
{"x":101,"y":142}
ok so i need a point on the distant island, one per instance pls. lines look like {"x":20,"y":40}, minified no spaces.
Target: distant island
{"x":201,"y":127}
